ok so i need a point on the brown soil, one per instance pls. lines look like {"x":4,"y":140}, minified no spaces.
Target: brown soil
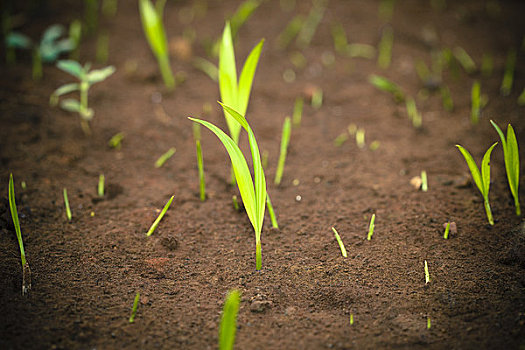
{"x":86,"y":273}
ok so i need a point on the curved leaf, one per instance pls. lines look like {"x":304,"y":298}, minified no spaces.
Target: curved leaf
{"x":476,"y":176}
{"x":246,"y":78}
{"x":72,"y":67}
{"x":485,"y":171}
{"x":153,"y":28}
{"x":98,"y":75}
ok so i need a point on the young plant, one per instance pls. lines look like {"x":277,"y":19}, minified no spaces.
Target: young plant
{"x":66,"y":203}
{"x":290,"y":32}
{"x":475,"y":110}
{"x":253,"y":192}
{"x":351,"y":319}
{"x":14,"y":41}
{"x":200,"y":161}
{"x":86,"y":79}
{"x":297,"y":112}
{"x":271,"y":212}
{"x":235,"y":203}
{"x":228,"y":326}
{"x":427,"y":274}
{"x":310,"y":25}
{"x":360,"y":138}
{"x":512,"y":162}
{"x":424,"y":181}
{"x":50,"y":48}
{"x":135,"y":307}
{"x":151,"y":17}
{"x":161,"y":215}
{"x":371,"y":227}
{"x":482,"y":180}
{"x":116,"y":140}
{"x":385,"y":48}
{"x":386,"y":85}
{"x":340,"y":242}
{"x":164,"y":157}
{"x":464,"y":59}
{"x":285,"y":140}
{"x":340,"y":139}
{"x":100,"y":187}
{"x":26,"y":272}
{"x":447,"y":230}
{"x":508,"y":75}
{"x":413,"y":113}
{"x":448,"y":103}
{"x":317,"y":98}
{"x":429,"y":324}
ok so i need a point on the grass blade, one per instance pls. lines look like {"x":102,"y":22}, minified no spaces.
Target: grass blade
{"x":66,"y":203}
{"x":475,"y":111}
{"x":384,"y":84}
{"x":135,"y":307}
{"x":161,"y":215}
{"x":340,"y":242}
{"x":424,"y":181}
{"x":384,"y":56}
{"x":297,"y":112}
{"x":285,"y":140}
{"x":163,"y":158}
{"x":246,"y":78}
{"x":447,"y":230}
{"x":464,"y":59}
{"x":427,"y":274}
{"x":271,"y":212}
{"x":228,"y":326}
{"x":371,"y":227}
{"x":476,"y":176}
{"x":100,"y":187}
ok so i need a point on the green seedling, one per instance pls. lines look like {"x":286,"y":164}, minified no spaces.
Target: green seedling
{"x":384,"y":48}
{"x":371,"y":227}
{"x":91,"y":15}
{"x":66,"y":203}
{"x":481,"y":179}
{"x":75,"y":35}
{"x":427,"y":274}
{"x":235,"y":203}
{"x":448,"y":103}
{"x":271,"y":212}
{"x":297,"y":112}
{"x":50,"y":48}
{"x":24,"y":185}
{"x":116,"y":140}
{"x":475,"y":111}
{"x":200,"y":161}
{"x":521,"y":98}
{"x":351,"y":319}
{"x":164,"y":157}
{"x":447,"y":230}
{"x":386,"y":85}
{"x":464,"y":59}
{"x":508,"y":75}
{"x":228,"y":326}
{"x":102,"y":51}
{"x":161,"y":215}
{"x":428,"y":322}
{"x":26,"y":272}
{"x":342,"y":46}
{"x":305,"y":35}
{"x":109,"y":8}
{"x":340,"y":242}
{"x":207,"y":68}
{"x":448,"y":59}
{"x":340,"y":139}
{"x":317,"y":98}
{"x":15,"y":41}
{"x":360,"y":138}
{"x":512,"y":162}
{"x":487,"y":65}
{"x":285,"y":140}
{"x":253,"y":193}
{"x":352,"y":129}
{"x":135,"y":307}
{"x":361,"y":51}
{"x":413,"y":113}
{"x":100,"y":187}
{"x":374,"y":145}
{"x":290,"y":32}
{"x":424,"y":181}
{"x":339,"y":38}
{"x":151,"y":17}
{"x":86,"y":79}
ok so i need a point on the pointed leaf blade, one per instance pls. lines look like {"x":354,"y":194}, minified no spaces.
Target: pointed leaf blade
{"x":246,"y":78}
{"x":485,"y":170}
{"x":476,"y":176}
{"x":98,"y":75}
{"x":72,"y":67}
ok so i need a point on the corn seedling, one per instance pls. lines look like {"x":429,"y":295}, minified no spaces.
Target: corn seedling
{"x":512,"y":162}
{"x":428,"y":322}
{"x":508,"y":75}
{"x":451,"y":62}
{"x":290,"y":32}
{"x":481,"y":179}
{"x":340,"y":139}
{"x":487,"y":65}
{"x":448,"y":103}
{"x":371,"y":227}
{"x":447,"y":231}
{"x":351,"y":319}
{"x":424,"y":181}
{"x":339,"y":38}
{"x":521,"y":98}
{"x":86,"y":79}
{"x":360,"y":138}
{"x":317,"y":98}
{"x":164,"y":157}
{"x":116,"y":141}
{"x":91,"y":15}
{"x":413,"y":113}
{"x":161,"y":215}
{"x":135,"y":307}
{"x":100,"y":187}
{"x":340,"y":242}
{"x":26,"y":272}
{"x":235,"y":203}
{"x":386,"y":85}
{"x":384,"y":48}
{"x":297,"y":112}
{"x":253,"y":193}
{"x":200,"y":161}
{"x":475,"y":110}
{"x":310,"y":24}
{"x":374,"y":145}
{"x":271,"y":212}
{"x":342,"y":46}
{"x":66,"y":203}
{"x":228,"y":326}
{"x":285,"y":140}
{"x":151,"y":17}
{"x":464,"y":59}
{"x":427,"y":274}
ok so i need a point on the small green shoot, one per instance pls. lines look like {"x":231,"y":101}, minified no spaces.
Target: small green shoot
{"x":297,"y":112}
{"x":13,"y":41}
{"x":151,"y":17}
{"x":464,"y":59}
{"x":26,"y":272}
{"x":475,"y":111}
{"x":374,"y":145}
{"x":427,"y":274}
{"x":386,"y":85}
{"x":317,"y":98}
{"x":360,"y":138}
{"x":413,"y":113}
{"x":508,"y":75}
{"x":361,"y":51}
{"x":271,"y":212}
{"x":285,"y":140}
{"x":24,"y":185}
{"x":340,"y":242}
{"x":66,"y":203}
{"x":310,"y":24}
{"x":161,"y":215}
{"x":448,"y":103}
{"x":135,"y":307}
{"x":100,"y":187}
{"x":242,"y":14}
{"x":235,"y":203}
{"x":340,"y":139}
{"x":116,"y":141}
{"x":482,"y":180}
{"x":447,"y":231}
{"x":384,"y":48}
{"x":200,"y":161}
{"x":228,"y":326}
{"x":353,"y":50}
{"x":424,"y":181}
{"x":512,"y":162}
{"x":253,"y":193}
{"x":290,"y":32}
{"x":521,"y":98}
{"x":428,"y":322}
{"x":371,"y":227}
{"x":339,"y":37}
{"x":164,"y":157}
{"x":351,"y":319}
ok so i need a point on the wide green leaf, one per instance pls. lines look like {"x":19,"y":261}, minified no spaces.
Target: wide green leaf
{"x":98,"y":75}
{"x":72,"y":67}
{"x":228,"y":325}
{"x":153,"y":28}
{"x":485,"y":170}
{"x":476,"y":176}
{"x":246,"y":78}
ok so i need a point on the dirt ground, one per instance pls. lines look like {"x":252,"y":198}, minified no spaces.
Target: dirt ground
{"x":85,"y":273}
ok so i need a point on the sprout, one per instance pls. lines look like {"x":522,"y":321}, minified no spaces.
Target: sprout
{"x":200,"y":161}
{"x":228,"y":326}
{"x":447,"y":230}
{"x":427,"y":274}
{"x":351,"y":319}
{"x":253,"y":193}
{"x":448,"y":103}
{"x":285,"y":140}
{"x":235,"y":203}
{"x":135,"y":307}
{"x":290,"y":32}
{"x":360,"y":138}
{"x":386,"y":85}
{"x":475,"y":111}
{"x":206,"y":67}
{"x":482,"y":180}
{"x":317,"y":98}
{"x":66,"y":203}
{"x":428,"y":322}
{"x":371,"y":227}
{"x":340,"y":242}
{"x":464,"y":59}
{"x":512,"y":162}
{"x":385,"y":48}
{"x":340,"y":139}
{"x":164,"y":157}
{"x":116,"y":140}
{"x":424,"y":181}
{"x":271,"y":212}
{"x":297,"y":112}
{"x":413,"y":113}
{"x":100,"y":187}
{"x":310,"y":24}
{"x":161,"y":215}
{"x":508,"y":75}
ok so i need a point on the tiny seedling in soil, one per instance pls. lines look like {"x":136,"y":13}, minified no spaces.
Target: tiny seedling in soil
{"x":360,"y":138}
{"x":161,"y":215}
{"x":340,"y":139}
{"x":427,"y":274}
{"x":508,"y":75}
{"x":271,"y":212}
{"x":66,"y":203}
{"x":340,"y":242}
{"x":413,"y":113}
{"x":429,"y":324}
{"x":253,"y":193}
{"x":26,"y":272}
{"x":386,"y":85}
{"x":151,"y":17}
{"x":50,"y":48}
{"x":475,"y":111}
{"x":100,"y":187}
{"x":424,"y":181}
{"x":135,"y":307}
{"x":164,"y":157}
{"x":285,"y":140}
{"x":384,"y":56}
{"x":464,"y":60}
{"x":297,"y":112}
{"x":512,"y":162}
{"x":207,"y":68}
{"x":235,"y":203}
{"x":351,"y":319}
{"x":371,"y":227}
{"x":200,"y":161}
{"x":86,"y":79}
{"x":14,"y":41}
{"x":116,"y":141}
{"x":374,"y":145}
{"x":317,"y":98}
{"x":310,"y":24}
{"x":482,"y":179}
{"x":447,"y":231}
{"x":228,"y":326}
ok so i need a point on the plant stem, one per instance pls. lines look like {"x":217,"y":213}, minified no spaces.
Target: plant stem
{"x":37,"y":65}
{"x":517,"y":204}
{"x":258,"y":254}
{"x":200,"y":166}
{"x":271,"y":212}
{"x":488,"y":211}
{"x":66,"y":203}
{"x":165,"y":71}
{"x":161,"y":215}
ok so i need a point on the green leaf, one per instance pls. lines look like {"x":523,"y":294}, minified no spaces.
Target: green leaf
{"x":513,"y":170}
{"x":72,"y":67}
{"x":18,"y":41}
{"x":476,"y":176}
{"x":228,"y":325}
{"x":14,"y":216}
{"x":153,"y":28}
{"x":64,"y":89}
{"x":98,"y":75}
{"x":228,"y":78}
{"x":52,"y":33}
{"x":501,"y":135}
{"x":70,"y":105}
{"x":246,"y":78}
{"x":485,"y":171}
